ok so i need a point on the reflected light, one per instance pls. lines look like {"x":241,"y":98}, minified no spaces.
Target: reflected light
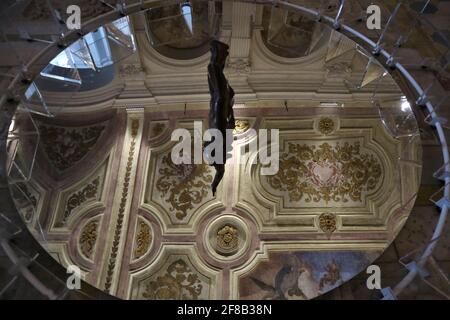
{"x":12,"y":126}
{"x":186,"y":10}
{"x":405,"y":106}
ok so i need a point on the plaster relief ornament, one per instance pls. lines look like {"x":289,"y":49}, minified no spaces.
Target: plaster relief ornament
{"x":228,"y":238}
{"x":327,"y":223}
{"x":221,"y":116}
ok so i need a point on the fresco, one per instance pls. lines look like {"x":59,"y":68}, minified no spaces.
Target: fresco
{"x":302,"y":275}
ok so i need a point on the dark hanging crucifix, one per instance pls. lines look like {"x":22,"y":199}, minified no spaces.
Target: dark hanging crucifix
{"x":221,"y":115}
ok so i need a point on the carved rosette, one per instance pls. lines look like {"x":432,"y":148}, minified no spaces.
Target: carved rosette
{"x":123,"y":200}
{"x":326,"y":126}
{"x":226,"y":237}
{"x":88,"y":239}
{"x":327,"y":223}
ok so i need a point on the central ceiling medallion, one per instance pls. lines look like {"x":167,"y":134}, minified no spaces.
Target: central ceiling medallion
{"x":227,"y":238}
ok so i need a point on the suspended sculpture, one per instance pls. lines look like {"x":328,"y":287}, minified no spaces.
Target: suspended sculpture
{"x":221,"y":115}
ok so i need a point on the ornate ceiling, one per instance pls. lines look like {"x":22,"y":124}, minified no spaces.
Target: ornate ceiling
{"x":107,"y":197}
{"x":141,"y":227}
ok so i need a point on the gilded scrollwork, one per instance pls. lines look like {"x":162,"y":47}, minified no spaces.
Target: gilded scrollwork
{"x":88,"y":192}
{"x":338,"y":173}
{"x":183,"y":186}
{"x":179,"y":282}
{"x":88,"y":238}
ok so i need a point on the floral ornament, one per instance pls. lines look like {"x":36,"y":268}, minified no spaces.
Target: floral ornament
{"x":178,"y":283}
{"x":327,"y":223}
{"x":88,"y":238}
{"x":183,"y":185}
{"x":143,"y":240}
{"x":78,"y":198}
{"x":315,"y":173}
{"x":326,"y":126}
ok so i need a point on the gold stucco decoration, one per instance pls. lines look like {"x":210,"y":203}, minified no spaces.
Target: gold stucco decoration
{"x":178,"y":283}
{"x":143,"y":239}
{"x":123,"y":201}
{"x":227,"y":238}
{"x":327,"y":173}
{"x":88,"y":192}
{"x":326,"y":126}
{"x":88,"y":238}
{"x":327,"y":222}
{"x":183,"y":186}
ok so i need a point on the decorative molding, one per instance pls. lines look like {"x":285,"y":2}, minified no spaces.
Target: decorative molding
{"x":123,"y":201}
